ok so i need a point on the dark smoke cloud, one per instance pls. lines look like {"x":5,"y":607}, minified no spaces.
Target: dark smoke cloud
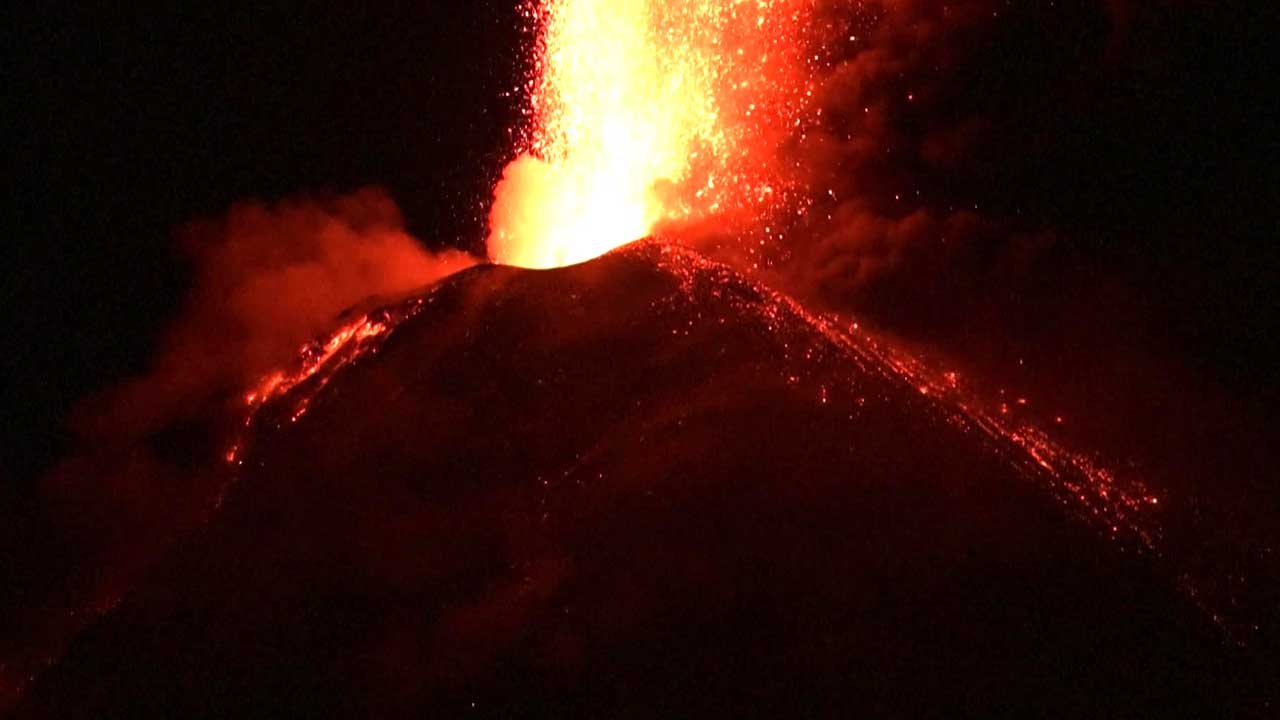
{"x":910,"y":184}
{"x":918,"y":102}
{"x":267,"y":279}
{"x":1105,"y":132}
{"x":1056,"y":198}
{"x":986,"y":161}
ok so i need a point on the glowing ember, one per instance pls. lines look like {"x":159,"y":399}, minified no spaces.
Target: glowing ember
{"x":644,"y":112}
{"x":318,"y":361}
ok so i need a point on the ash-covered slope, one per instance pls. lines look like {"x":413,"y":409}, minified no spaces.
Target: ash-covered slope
{"x":640,"y":486}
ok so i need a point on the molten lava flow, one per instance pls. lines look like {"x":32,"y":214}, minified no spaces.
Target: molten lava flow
{"x":647,"y":111}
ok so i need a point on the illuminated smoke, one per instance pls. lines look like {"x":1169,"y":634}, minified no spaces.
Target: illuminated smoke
{"x":645,"y":112}
{"x":267,"y":279}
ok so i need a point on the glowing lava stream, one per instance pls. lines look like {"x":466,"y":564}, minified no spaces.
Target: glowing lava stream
{"x":645,"y":111}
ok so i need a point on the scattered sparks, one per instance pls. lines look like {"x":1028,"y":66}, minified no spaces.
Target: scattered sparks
{"x":1122,"y":507}
{"x":647,"y":112}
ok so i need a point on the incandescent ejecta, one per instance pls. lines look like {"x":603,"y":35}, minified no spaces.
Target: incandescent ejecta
{"x":644,"y":113}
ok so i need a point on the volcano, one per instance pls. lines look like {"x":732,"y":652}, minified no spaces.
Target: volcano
{"x":642,"y":486}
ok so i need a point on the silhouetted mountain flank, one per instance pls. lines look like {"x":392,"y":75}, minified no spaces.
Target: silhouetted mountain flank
{"x":640,"y":486}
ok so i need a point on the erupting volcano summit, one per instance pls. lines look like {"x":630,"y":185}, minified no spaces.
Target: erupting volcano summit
{"x":609,"y":472}
{"x":647,"y":113}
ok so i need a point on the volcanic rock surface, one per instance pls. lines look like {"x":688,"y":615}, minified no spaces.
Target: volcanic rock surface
{"x":641,"y":486}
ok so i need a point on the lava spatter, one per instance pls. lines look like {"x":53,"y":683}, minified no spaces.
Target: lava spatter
{"x":644,"y":112}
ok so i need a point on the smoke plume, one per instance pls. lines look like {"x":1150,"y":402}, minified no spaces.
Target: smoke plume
{"x":145,"y":469}
{"x":1031,"y":191}
{"x":914,"y":163}
{"x":268,"y":279}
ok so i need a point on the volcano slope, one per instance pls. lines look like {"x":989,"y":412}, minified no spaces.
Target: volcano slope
{"x":640,"y":486}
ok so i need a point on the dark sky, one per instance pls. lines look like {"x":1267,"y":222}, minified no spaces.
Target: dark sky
{"x":128,"y":123}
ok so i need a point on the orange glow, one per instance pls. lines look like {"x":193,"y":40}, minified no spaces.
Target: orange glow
{"x":644,"y":112}
{"x":318,"y":361}
{"x":315,"y":356}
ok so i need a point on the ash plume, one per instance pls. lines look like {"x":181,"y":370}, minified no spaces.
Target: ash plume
{"x":971,"y":173}
{"x":267,"y":279}
{"x":919,"y":148}
{"x":976,"y":135}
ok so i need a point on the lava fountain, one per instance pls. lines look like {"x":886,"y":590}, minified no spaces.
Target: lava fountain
{"x":644,"y":112}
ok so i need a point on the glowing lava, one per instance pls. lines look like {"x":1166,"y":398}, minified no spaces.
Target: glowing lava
{"x":643,"y":112}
